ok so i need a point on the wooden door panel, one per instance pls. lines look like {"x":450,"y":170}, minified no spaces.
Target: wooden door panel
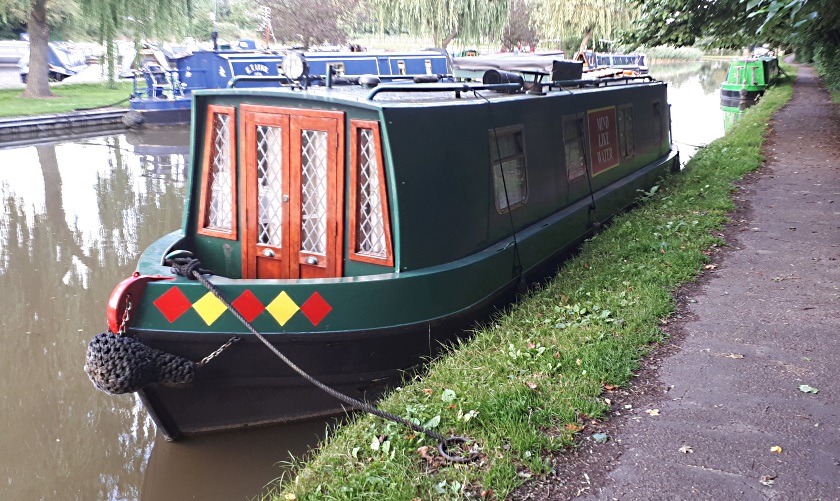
{"x":292,"y":221}
{"x":265,"y":246}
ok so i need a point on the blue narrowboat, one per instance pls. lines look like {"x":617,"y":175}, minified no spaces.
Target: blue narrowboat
{"x":163,"y":96}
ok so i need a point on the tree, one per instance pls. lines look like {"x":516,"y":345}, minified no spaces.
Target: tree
{"x":730,"y":23}
{"x":445,"y":20}
{"x":520,"y":29}
{"x":37,"y":81}
{"x":570,"y":18}
{"x":310,"y":22}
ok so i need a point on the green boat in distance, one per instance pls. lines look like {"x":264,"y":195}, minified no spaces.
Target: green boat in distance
{"x":361,"y":227}
{"x":748,"y":78}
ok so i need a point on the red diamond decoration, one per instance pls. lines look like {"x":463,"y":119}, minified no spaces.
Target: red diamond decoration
{"x":315,"y":308}
{"x":248,"y":305}
{"x":173,"y":303}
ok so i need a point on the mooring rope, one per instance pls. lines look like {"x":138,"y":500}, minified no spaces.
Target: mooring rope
{"x":191,"y":268}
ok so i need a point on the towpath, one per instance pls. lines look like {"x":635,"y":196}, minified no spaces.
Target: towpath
{"x":744,"y":402}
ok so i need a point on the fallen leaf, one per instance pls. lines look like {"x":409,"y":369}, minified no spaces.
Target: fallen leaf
{"x":573,"y":427}
{"x":427,"y":391}
{"x":776,"y":449}
{"x":767,"y":480}
{"x":424,"y":453}
{"x":653,"y":412}
{"x":610,"y":387}
{"x":686,"y":449}
{"x":531,"y":385}
{"x":804,"y":388}
{"x":608,"y":401}
{"x":710,"y":267}
{"x":601,"y":438}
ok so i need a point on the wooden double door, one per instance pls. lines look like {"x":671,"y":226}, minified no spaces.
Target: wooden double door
{"x":294,"y":178}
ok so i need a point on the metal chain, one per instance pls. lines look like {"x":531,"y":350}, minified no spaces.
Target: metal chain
{"x":126,"y":316}
{"x":234,"y":339}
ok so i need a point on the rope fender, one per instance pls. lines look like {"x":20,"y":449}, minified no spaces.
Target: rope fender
{"x":119,"y":364}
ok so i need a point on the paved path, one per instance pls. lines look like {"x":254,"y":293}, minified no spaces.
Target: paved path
{"x":775,"y":301}
{"x":764,"y":322}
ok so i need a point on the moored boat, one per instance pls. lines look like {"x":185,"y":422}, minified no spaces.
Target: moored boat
{"x":748,"y":78}
{"x":162,"y":95}
{"x":361,"y":227}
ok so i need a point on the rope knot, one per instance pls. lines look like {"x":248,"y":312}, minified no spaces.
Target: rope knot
{"x":187,"y":267}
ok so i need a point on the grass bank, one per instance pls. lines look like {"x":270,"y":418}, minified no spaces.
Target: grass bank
{"x":68,"y":97}
{"x":532,"y":379}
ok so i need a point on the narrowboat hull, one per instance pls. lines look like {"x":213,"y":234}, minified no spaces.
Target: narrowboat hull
{"x":361,"y":229}
{"x":377,"y":330}
{"x":747,"y":79}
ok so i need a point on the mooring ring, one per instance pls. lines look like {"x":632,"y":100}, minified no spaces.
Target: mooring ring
{"x":455,"y":459}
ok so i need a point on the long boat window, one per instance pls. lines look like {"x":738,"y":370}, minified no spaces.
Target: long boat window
{"x":370,"y":229}
{"x":573,"y":145}
{"x":217,"y":211}
{"x":626,"y":133}
{"x":507,"y":159}
{"x":270,"y":185}
{"x":313,"y":231}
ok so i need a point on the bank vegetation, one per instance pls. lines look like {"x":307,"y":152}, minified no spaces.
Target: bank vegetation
{"x":528,"y":384}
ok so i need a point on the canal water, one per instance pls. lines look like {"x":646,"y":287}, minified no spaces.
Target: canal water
{"x":76,"y":215}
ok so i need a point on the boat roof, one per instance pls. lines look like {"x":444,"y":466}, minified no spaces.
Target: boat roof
{"x":410,"y":94}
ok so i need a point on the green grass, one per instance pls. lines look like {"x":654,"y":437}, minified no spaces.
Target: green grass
{"x":527,"y":382}
{"x":68,"y":97}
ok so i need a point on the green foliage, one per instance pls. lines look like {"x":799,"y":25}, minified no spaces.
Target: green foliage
{"x":527,"y":382}
{"x":664,"y":52}
{"x":603,"y":19}
{"x":467,"y":20}
{"x":67,"y":98}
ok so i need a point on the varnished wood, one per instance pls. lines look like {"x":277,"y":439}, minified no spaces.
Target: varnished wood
{"x":204,"y":198}
{"x":355,"y":165}
{"x":254,"y":263}
{"x":293,"y":121}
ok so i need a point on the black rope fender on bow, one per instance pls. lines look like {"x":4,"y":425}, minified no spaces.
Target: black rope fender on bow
{"x":191,"y":268}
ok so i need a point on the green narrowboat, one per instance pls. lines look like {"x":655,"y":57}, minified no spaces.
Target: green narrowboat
{"x":748,"y":78}
{"x":360,"y":227}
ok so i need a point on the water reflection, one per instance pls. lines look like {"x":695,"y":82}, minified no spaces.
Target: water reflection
{"x":694,"y":95}
{"x":76,"y":215}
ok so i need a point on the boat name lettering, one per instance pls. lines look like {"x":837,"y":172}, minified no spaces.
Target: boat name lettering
{"x":257,"y":68}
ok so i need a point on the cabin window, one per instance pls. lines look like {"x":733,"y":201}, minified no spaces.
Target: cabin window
{"x":401,"y":67}
{"x":507,"y":155}
{"x":313,"y":179}
{"x":626,"y":133}
{"x":217,"y":209}
{"x":338,"y":69}
{"x":370,"y":229}
{"x":270,"y":185}
{"x":574,"y":146}
{"x":428,"y":66}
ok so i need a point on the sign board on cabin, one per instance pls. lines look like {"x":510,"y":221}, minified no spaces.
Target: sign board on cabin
{"x":603,"y":139}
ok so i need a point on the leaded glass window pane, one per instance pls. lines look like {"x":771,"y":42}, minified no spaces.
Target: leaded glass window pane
{"x":370,"y":234}
{"x":220,"y":208}
{"x":313,"y":231}
{"x":270,"y":185}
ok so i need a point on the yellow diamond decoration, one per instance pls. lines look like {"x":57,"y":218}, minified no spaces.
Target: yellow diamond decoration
{"x":209,"y":308}
{"x":282,"y":308}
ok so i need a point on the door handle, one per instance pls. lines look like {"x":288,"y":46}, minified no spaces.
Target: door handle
{"x":268,"y":253}
{"x":312,"y":260}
